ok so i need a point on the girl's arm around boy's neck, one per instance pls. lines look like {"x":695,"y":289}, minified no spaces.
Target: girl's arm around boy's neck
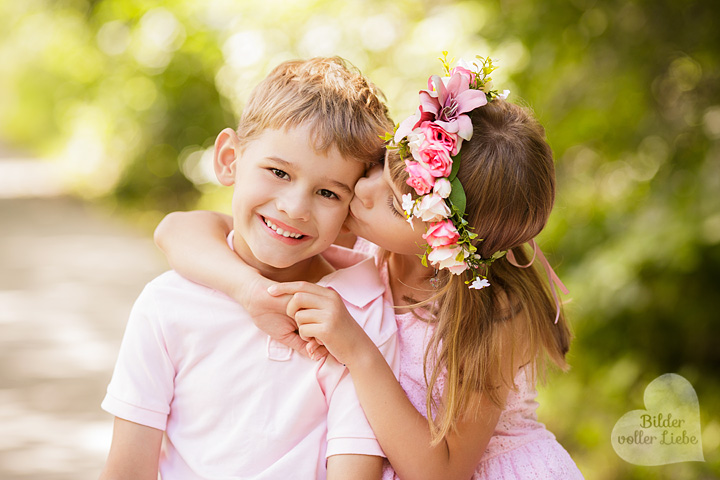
{"x":195,"y":244}
{"x":194,"y":241}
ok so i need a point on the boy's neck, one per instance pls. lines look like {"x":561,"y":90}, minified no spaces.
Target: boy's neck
{"x":309,"y":270}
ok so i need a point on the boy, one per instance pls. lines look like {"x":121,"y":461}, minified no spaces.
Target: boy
{"x":231,"y":402}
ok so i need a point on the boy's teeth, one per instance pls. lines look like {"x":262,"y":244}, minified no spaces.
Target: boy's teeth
{"x":280,"y":231}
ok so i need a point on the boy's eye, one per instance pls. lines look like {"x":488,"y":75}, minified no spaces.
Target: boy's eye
{"x":279,"y":173}
{"x":327,"y":193}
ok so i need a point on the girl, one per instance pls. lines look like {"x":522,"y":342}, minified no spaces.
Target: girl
{"x":471,"y":178}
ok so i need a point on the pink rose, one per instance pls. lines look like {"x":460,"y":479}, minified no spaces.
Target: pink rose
{"x":437,"y":159}
{"x":434,"y":133}
{"x":441,"y":234}
{"x":419,"y":177}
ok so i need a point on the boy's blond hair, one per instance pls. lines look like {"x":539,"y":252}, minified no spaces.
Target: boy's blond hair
{"x":343,"y":108}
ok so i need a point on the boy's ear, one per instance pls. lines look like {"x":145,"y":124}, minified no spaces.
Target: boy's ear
{"x":227,"y":150}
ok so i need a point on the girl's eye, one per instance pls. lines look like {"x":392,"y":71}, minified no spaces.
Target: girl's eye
{"x":327,"y":193}
{"x":393,"y":209}
{"x":279,"y":173}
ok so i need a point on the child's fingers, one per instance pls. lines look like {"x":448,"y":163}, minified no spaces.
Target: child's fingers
{"x":291,"y":288}
{"x":293,"y":340}
{"x":304,"y":301}
{"x":308,"y":316}
{"x":308,"y":331}
{"x":315,"y":349}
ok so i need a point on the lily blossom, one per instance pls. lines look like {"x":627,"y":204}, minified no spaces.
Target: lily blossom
{"x":447,"y":104}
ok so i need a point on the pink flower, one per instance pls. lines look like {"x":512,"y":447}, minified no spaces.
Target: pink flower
{"x":436,"y":159}
{"x":463,"y":71}
{"x":432,"y":208}
{"x":447,"y":104}
{"x":447,"y":257}
{"x":434,"y":133}
{"x":419,"y":177}
{"x":411,"y":123}
{"x":441,"y":234}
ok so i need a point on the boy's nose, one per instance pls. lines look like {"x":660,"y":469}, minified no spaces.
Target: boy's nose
{"x":365,"y":186}
{"x":295,"y":205}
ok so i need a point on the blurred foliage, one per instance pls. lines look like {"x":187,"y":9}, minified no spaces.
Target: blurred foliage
{"x":128,"y":95}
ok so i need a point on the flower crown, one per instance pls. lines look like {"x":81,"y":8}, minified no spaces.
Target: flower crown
{"x":433,"y":138}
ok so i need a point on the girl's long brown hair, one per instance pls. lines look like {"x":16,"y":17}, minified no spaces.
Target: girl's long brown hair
{"x":508,"y":175}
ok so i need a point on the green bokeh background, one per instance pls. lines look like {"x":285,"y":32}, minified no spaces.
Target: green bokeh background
{"x":126,"y":97}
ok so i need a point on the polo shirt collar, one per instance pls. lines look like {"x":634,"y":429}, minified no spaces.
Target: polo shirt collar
{"x":356,"y":279}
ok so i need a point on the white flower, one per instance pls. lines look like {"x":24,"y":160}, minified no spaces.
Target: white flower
{"x":480,"y":283}
{"x":447,"y":257}
{"x":504,"y":94}
{"x":442,"y":187}
{"x":415,"y":141}
{"x":432,"y":208}
{"x":408,"y":204}
{"x":464,"y":64}
{"x":409,"y":207}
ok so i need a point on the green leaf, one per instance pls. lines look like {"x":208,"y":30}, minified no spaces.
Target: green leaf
{"x":498,"y":254}
{"x":457,"y":196}
{"x":455,"y":167}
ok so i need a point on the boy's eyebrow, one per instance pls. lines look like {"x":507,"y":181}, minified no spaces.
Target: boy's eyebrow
{"x":336,"y":183}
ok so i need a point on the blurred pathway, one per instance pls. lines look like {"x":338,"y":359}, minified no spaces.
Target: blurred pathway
{"x":69,"y":274}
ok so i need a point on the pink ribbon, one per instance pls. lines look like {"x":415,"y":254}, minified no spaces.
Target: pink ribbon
{"x":553,"y":279}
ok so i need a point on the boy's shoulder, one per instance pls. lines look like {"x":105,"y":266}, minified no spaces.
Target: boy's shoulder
{"x":171,"y":287}
{"x":173,"y":280}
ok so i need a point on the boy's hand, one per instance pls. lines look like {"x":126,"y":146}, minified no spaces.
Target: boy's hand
{"x":321,"y":314}
{"x":269,"y":315}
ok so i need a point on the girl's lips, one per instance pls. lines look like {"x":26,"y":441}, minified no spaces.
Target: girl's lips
{"x":282,"y":231}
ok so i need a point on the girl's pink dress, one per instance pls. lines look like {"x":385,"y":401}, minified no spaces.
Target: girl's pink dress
{"x":521,"y":448}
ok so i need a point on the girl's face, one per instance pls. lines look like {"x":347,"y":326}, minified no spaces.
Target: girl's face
{"x":376,"y":215}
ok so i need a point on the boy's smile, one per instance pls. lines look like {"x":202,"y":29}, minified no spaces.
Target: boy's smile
{"x":284,"y":232}
{"x":289,"y":202}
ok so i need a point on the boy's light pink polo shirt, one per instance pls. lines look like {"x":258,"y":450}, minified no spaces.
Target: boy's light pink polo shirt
{"x":233,"y":403}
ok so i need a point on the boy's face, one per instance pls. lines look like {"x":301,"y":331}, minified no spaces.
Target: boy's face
{"x":289,"y":201}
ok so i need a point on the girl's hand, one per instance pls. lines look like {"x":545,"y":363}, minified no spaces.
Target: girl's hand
{"x":269,"y":315}
{"x":321,"y":314}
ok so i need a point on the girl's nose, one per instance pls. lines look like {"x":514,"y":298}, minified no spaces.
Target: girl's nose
{"x":365,"y":187}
